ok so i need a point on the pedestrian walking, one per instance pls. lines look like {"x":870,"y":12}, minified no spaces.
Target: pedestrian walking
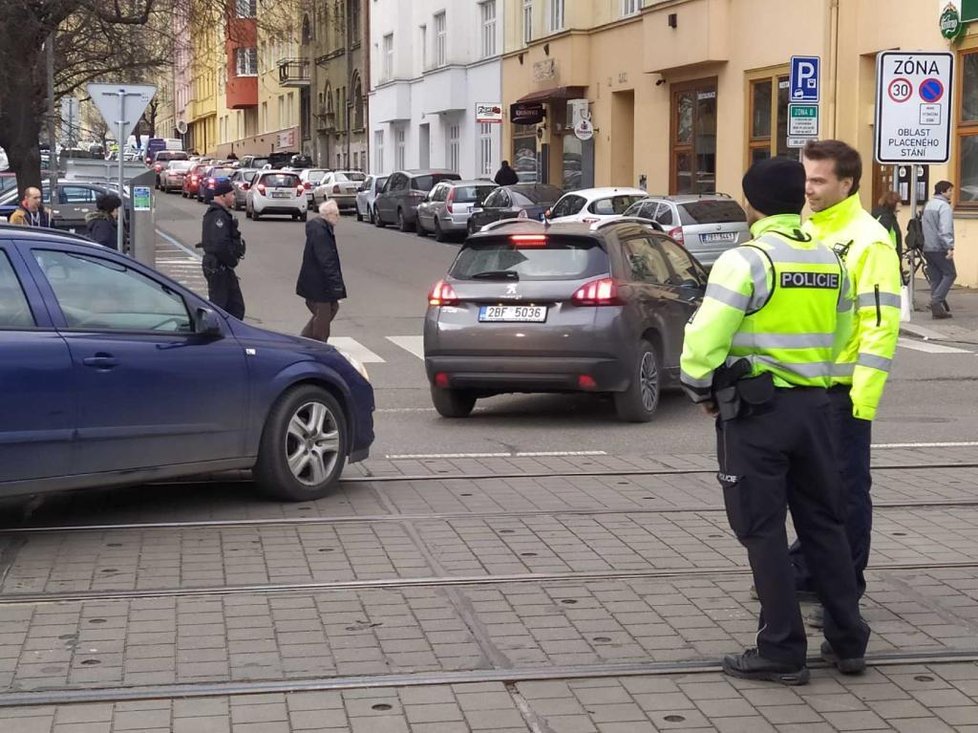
{"x":103,"y":223}
{"x":937,"y":221}
{"x":223,"y":250}
{"x":506,"y":176}
{"x":30,"y":212}
{"x":320,"y":280}
{"x":885,"y":213}
{"x":759,"y":354}
{"x":833,"y":170}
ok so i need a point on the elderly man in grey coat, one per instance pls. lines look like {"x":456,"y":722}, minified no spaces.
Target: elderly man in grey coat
{"x":937,"y":222}
{"x":320,"y":280}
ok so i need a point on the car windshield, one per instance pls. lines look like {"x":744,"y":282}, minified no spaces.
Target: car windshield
{"x":426,"y":183}
{"x":315,"y":176}
{"x":472,"y":194}
{"x":259,"y":162}
{"x":349,"y":176}
{"x":222,"y":172}
{"x":711,"y":211}
{"x":541,"y":195}
{"x":564,"y":258}
{"x":281,"y":180}
{"x":613,"y":204}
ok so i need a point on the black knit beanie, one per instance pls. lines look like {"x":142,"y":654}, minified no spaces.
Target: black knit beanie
{"x":776,"y":186}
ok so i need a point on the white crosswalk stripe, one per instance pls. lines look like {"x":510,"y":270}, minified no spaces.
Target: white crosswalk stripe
{"x":413,"y":344}
{"x":930,"y":348}
{"x":355,"y":349}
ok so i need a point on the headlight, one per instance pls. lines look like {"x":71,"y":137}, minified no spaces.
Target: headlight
{"x":355,"y":363}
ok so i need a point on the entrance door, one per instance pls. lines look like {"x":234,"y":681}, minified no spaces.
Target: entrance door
{"x":693,"y":137}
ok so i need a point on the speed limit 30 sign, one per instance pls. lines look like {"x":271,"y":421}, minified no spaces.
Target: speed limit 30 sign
{"x":913,"y":107}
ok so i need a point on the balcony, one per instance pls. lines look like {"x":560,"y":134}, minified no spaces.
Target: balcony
{"x":293,"y":72}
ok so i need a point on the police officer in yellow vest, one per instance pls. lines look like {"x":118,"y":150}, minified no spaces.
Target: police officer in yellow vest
{"x":833,"y":170}
{"x":760,"y":352}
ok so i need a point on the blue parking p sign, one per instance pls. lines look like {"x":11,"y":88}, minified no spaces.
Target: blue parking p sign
{"x":804,"y":78}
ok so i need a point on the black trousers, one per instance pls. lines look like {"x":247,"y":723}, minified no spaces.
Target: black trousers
{"x":778,"y":459}
{"x":852,"y":438}
{"x":224,"y":291}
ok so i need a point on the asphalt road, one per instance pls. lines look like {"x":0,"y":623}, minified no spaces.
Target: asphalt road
{"x":930,"y":397}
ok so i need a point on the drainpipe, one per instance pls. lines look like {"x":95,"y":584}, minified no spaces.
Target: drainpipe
{"x":832,"y":83}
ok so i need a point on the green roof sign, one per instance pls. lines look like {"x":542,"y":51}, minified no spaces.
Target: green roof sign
{"x":951,"y":25}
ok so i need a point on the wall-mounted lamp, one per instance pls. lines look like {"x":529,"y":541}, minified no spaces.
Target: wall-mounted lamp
{"x":673,"y":20}
{"x":546,"y":49}
{"x":520,"y":57}
{"x":660,"y":81}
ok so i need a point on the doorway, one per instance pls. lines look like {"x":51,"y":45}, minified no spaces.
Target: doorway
{"x":623,"y":138}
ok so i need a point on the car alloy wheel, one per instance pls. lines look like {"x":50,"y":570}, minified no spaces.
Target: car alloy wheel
{"x":378,"y":222}
{"x":638,"y":403}
{"x":401,"y":223}
{"x":303,"y":445}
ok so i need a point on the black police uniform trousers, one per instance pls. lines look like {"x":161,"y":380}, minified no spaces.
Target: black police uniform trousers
{"x":224,"y":291}
{"x":853,"y":438}
{"x":780,"y":457}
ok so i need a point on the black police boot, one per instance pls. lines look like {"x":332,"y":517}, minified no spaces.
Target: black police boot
{"x":854,"y":665}
{"x":752,"y":666}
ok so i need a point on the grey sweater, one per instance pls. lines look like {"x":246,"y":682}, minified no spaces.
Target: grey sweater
{"x":938,"y":225}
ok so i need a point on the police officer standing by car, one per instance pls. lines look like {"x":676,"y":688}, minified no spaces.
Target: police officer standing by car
{"x":223,"y":249}
{"x":833,"y":169}
{"x":759,"y":354}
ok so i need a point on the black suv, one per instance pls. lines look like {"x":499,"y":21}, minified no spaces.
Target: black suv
{"x":398,"y":202}
{"x":532,"y":307}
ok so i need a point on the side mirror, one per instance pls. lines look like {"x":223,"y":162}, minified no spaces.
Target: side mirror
{"x":245,"y":186}
{"x":548,"y":213}
{"x":207,"y":323}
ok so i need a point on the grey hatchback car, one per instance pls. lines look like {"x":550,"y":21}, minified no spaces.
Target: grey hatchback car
{"x":445,"y":211}
{"x":527,"y":307}
{"x":707,"y":225}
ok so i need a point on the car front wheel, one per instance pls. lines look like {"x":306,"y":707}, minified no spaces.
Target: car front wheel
{"x":303,"y":445}
{"x":401,"y":222}
{"x":639,"y":402}
{"x":452,"y":402}
{"x":378,"y":222}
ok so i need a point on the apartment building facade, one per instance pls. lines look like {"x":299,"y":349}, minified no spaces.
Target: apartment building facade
{"x":684,"y":94}
{"x":431,"y":64}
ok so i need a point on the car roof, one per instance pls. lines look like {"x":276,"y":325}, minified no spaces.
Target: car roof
{"x":599,"y":192}
{"x":426,"y":172}
{"x":685,"y":198}
{"x":569,"y":228}
{"x":470,"y":182}
{"x":11,"y":231}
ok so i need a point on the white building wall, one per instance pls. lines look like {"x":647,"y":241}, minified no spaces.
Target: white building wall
{"x":421,"y":95}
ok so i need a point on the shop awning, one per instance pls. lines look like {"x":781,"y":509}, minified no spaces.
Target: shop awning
{"x":553,"y":94}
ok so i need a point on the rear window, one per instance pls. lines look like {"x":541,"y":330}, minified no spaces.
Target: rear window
{"x":351,"y":176}
{"x":180,"y":165}
{"x":613,"y":204}
{"x":165,"y":155}
{"x":541,"y":195}
{"x":564,"y":258}
{"x":711,"y":211}
{"x":426,"y":183}
{"x":280,"y":180}
{"x":315,"y":176}
{"x":222,"y":172}
{"x":259,"y":162}
{"x":472,"y":194}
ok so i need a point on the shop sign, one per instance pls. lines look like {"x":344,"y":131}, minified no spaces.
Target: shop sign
{"x":488,"y":112}
{"x":950,"y":21}
{"x":527,"y":113}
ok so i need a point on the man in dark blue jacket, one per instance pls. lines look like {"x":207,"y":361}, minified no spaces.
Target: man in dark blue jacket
{"x":320,"y":280}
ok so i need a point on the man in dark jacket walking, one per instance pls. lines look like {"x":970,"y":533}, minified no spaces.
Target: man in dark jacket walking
{"x":223,"y":249}
{"x":320,"y":280}
{"x":103,"y":223}
{"x":506,"y":176}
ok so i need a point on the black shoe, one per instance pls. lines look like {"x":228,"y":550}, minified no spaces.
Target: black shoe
{"x":937,"y":311}
{"x":854,"y":665}
{"x":751,"y":666}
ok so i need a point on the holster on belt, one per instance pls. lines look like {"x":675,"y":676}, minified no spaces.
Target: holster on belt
{"x":736,"y":394}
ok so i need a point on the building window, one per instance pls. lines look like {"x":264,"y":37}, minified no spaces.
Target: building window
{"x":246,"y":61}
{"x":527,"y":21}
{"x":488,"y":10}
{"x":441,"y":51}
{"x":423,"y":43}
{"x":966,"y":185}
{"x":399,"y":148}
{"x":555,"y":16}
{"x":246,"y":8}
{"x":264,"y":116}
{"x":357,"y":103}
{"x":524,"y":159}
{"x":290,"y":108}
{"x":768,"y":116}
{"x":355,"y":22}
{"x":379,"y":152}
{"x":630,"y":7}
{"x":452,"y":152}
{"x":693,"y":138}
{"x":388,"y":57}
{"x":485,"y":149}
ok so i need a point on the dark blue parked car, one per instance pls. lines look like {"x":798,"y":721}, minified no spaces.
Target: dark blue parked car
{"x":113,"y":374}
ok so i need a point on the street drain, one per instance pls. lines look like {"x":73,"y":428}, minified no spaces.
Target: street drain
{"x":602,"y":639}
{"x":528,"y":554}
{"x":924,"y":678}
{"x":507,"y":531}
{"x":114,"y":544}
{"x":569,"y":601}
{"x":327,"y":549}
{"x":96,"y":621}
{"x":380,"y":706}
{"x":90,"y":662}
{"x":675,"y":718}
{"x":899,"y":534}
{"x":110,"y":570}
{"x":465,"y":494}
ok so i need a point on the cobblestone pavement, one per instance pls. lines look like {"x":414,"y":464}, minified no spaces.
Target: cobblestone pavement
{"x":542,"y":594}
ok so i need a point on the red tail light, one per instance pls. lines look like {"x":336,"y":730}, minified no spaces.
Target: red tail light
{"x":442,"y":380}
{"x":442,"y":294}
{"x":586,"y":381}
{"x":677,"y":234}
{"x":300,"y":191}
{"x":336,"y":189}
{"x":306,"y":185}
{"x":193,"y":179}
{"x":529,"y":240}
{"x":597,"y":292}
{"x":449,"y":200}
{"x":261,"y":188}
